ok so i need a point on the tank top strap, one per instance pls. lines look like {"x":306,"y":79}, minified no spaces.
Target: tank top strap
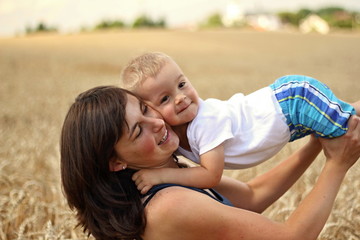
{"x":211,"y":193}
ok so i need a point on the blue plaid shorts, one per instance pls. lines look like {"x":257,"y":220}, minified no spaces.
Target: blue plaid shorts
{"x":311,"y":107}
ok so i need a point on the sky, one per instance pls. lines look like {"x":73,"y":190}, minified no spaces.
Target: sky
{"x":71,"y":15}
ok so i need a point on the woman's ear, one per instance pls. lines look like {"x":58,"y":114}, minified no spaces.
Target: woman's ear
{"x":115,"y":164}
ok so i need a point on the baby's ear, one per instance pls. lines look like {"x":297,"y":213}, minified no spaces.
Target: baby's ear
{"x":115,"y":164}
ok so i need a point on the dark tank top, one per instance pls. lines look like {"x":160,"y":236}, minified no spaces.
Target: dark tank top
{"x":214,"y":195}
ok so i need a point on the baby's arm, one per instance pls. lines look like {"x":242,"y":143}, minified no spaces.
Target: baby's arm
{"x":207,"y":175}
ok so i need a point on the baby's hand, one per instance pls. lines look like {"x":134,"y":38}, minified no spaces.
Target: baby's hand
{"x":146,"y":179}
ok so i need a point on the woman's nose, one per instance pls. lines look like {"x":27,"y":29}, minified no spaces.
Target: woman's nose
{"x":156,"y":123}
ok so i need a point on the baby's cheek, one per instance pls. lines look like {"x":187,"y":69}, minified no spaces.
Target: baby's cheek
{"x":164,"y":114}
{"x":169,"y":117}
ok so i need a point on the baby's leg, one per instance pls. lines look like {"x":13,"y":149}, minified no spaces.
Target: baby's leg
{"x":311,"y":107}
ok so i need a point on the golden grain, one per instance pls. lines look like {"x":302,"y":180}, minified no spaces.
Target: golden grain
{"x":41,"y":75}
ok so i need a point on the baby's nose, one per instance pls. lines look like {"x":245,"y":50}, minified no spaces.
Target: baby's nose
{"x":180,"y":98}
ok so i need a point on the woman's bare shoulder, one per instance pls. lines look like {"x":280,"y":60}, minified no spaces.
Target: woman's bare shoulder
{"x":170,"y":200}
{"x":182,"y":212}
{"x":165,"y":213}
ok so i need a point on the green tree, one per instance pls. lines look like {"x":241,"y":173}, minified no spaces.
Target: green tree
{"x":303,"y":13}
{"x":289,"y":18}
{"x":329,"y":11}
{"x":294,"y":18}
{"x":41,"y":27}
{"x":214,"y":20}
{"x":145,"y":22}
{"x":29,"y":29}
{"x":108,"y":24}
{"x":338,"y":17}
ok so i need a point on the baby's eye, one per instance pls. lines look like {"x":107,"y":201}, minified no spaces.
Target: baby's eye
{"x":164,"y":99}
{"x":182,"y":84}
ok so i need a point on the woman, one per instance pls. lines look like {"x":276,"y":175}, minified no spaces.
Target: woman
{"x":108,"y":134}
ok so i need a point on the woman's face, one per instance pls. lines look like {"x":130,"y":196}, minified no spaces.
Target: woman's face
{"x":147,"y":142}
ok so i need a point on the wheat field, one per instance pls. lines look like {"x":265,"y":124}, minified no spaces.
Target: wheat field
{"x":42,"y":74}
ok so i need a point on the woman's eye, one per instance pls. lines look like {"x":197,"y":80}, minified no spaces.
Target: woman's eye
{"x":139,"y":132}
{"x":145,"y":109}
{"x":164,"y":99}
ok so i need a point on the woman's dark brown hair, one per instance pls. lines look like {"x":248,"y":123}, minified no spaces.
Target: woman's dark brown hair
{"x":107,"y":204}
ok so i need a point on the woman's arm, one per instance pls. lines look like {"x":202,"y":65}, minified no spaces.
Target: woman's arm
{"x":260,"y":192}
{"x":179,"y":213}
{"x":341,"y":154}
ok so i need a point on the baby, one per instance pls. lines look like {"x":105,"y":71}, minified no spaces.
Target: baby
{"x":238,"y":133}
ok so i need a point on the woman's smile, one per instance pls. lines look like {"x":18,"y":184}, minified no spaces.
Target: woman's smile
{"x":164,"y":138}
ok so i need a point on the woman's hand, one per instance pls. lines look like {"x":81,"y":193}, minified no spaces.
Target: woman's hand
{"x":345,"y":150}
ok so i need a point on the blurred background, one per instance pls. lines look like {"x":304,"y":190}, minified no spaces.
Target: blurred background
{"x":52,"y":50}
{"x":18,"y":17}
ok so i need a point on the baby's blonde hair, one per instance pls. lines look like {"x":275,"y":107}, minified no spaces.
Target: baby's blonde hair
{"x":142,"y":67}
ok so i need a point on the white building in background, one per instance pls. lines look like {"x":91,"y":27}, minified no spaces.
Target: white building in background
{"x":234,"y":14}
{"x":264,"y":22}
{"x":314,"y":23}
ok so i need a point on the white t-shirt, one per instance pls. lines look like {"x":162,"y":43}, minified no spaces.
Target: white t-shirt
{"x":252,"y":128}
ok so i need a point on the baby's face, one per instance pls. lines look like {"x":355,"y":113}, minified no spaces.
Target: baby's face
{"x":171,"y":94}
